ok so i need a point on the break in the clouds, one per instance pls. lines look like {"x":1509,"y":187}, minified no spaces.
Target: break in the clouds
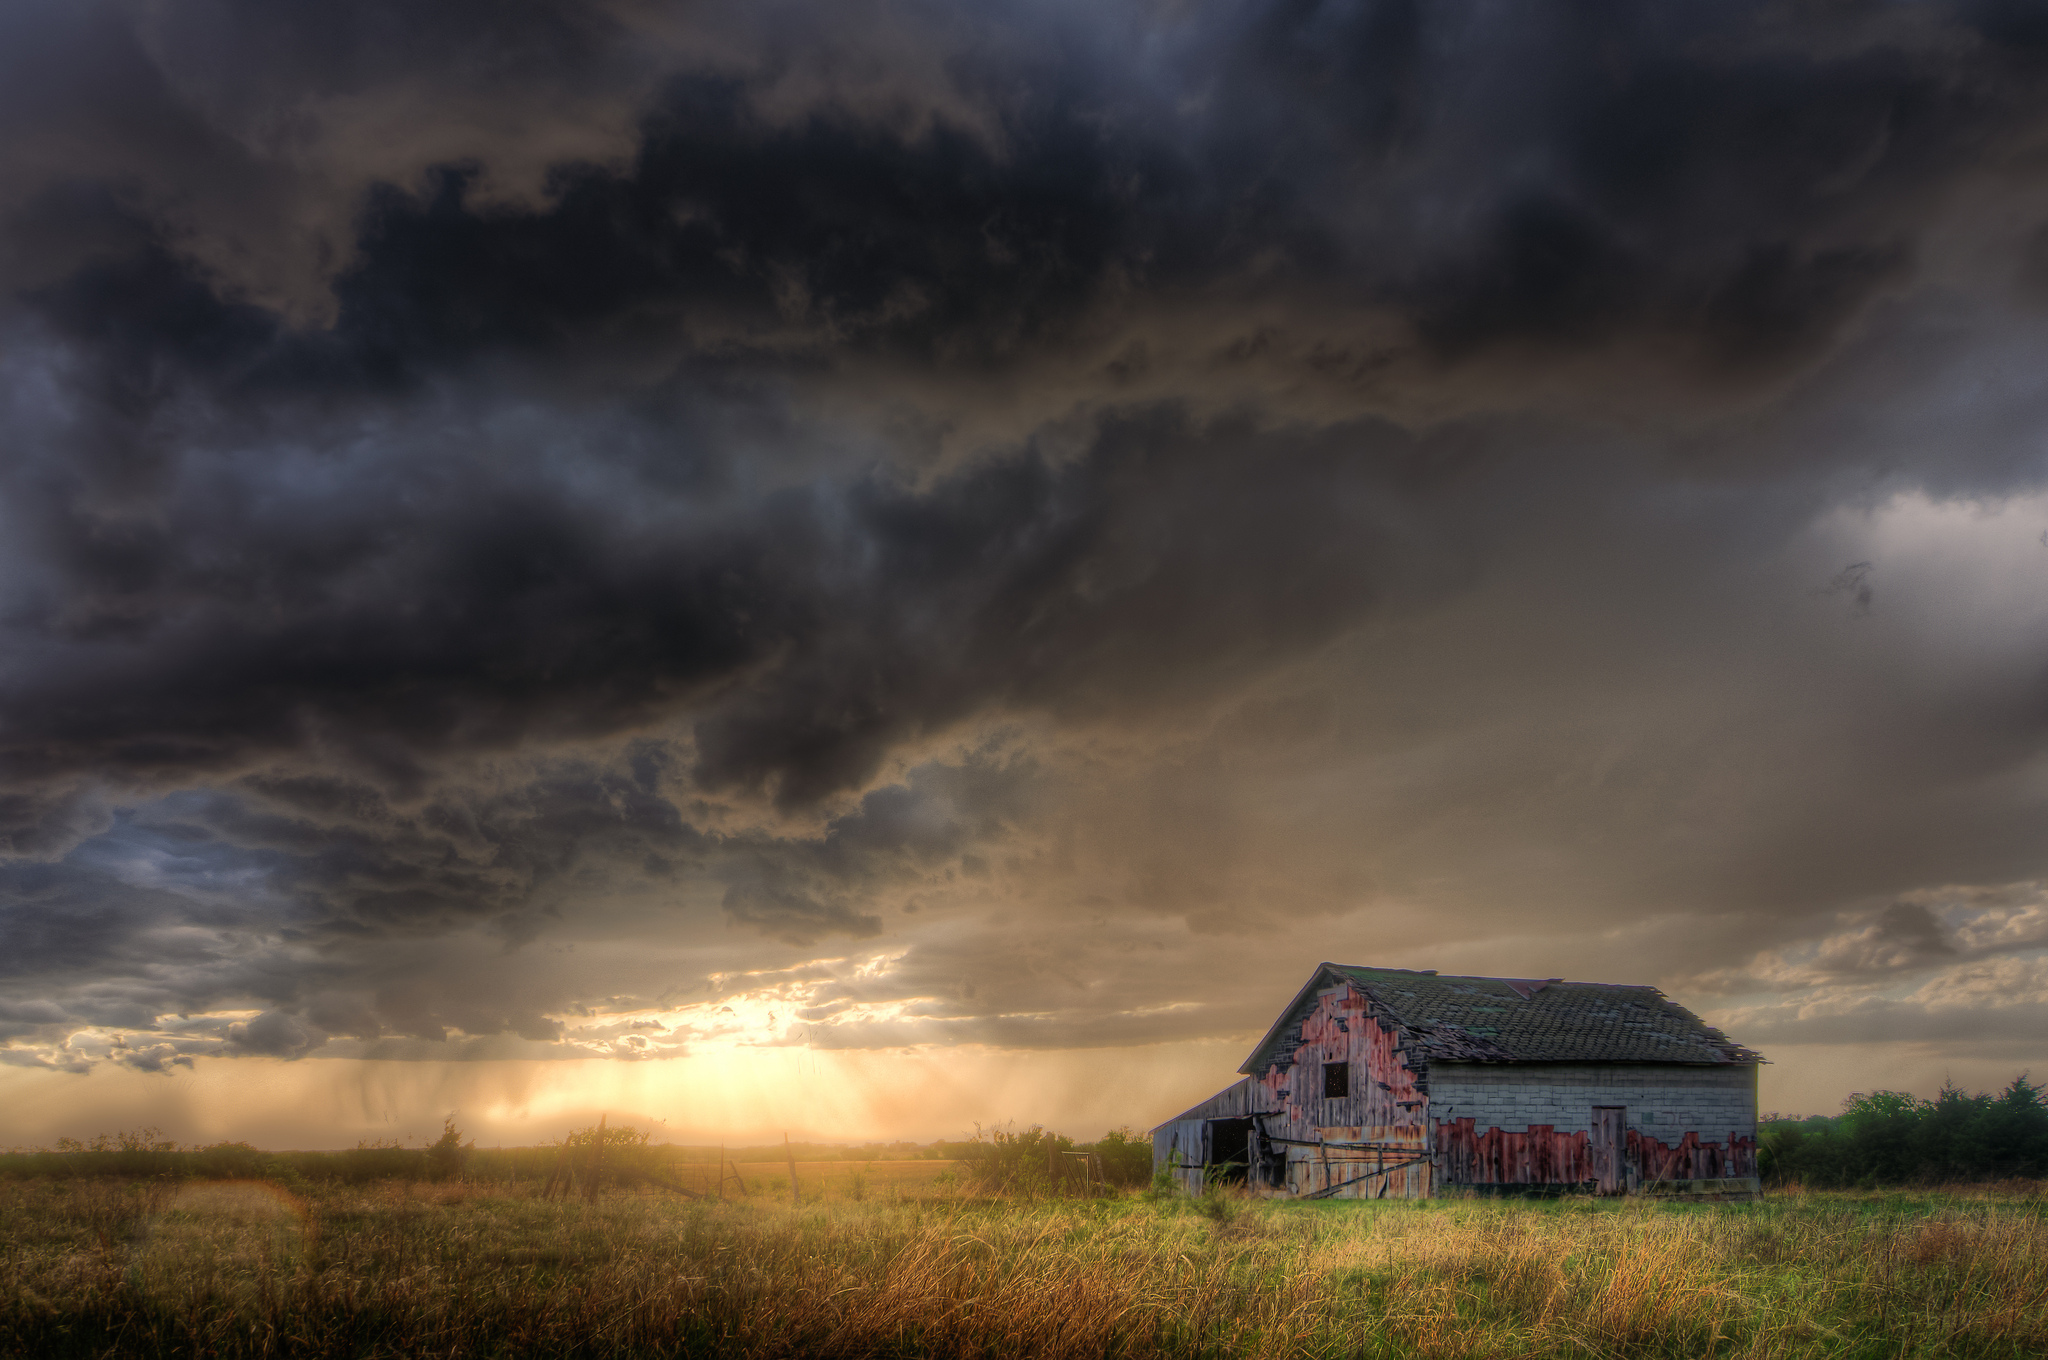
{"x":549,"y":530}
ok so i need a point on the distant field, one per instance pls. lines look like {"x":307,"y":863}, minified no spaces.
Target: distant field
{"x":838,"y":1180}
{"x":232,"y":1269}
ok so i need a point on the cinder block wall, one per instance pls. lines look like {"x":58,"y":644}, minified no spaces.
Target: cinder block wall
{"x":1664,"y":1100}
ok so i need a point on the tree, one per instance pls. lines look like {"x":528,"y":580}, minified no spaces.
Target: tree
{"x":447,"y":1154}
{"x":1893,"y":1138}
{"x":2015,"y":1131}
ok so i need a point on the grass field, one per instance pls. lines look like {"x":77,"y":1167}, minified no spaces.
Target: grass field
{"x":93,"y":1268}
{"x":840,"y":1180}
{"x":836,"y":1180}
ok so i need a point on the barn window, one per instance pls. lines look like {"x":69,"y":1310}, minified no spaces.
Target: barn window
{"x":1336,"y":1080}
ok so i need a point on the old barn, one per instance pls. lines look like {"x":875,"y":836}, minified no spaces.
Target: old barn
{"x":1386,"y":1083}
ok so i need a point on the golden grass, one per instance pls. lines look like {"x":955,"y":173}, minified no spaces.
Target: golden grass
{"x":837,"y":1180}
{"x":111,"y":1269}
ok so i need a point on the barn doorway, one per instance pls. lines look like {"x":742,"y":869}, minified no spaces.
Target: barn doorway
{"x":1609,"y":1146}
{"x":1229,"y":1150}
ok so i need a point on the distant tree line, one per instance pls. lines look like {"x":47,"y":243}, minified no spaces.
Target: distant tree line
{"x":147,"y":1153}
{"x":1031,"y":1161}
{"x":1893,"y":1138}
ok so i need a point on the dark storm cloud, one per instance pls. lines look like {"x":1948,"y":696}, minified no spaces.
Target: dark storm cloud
{"x":469,"y":461}
{"x":934,"y":820}
{"x":1740,"y":179}
{"x":461,"y":604}
{"x":321,"y":902}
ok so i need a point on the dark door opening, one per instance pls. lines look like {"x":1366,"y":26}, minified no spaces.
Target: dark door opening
{"x":1229,"y":1149}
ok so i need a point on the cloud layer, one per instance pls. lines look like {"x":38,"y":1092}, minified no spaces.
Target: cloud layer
{"x":530,"y":528}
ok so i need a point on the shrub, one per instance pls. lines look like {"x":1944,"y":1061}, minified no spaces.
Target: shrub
{"x":1164,"y":1186}
{"x":447,"y":1155}
{"x":1002,"y":1162}
{"x":1126,"y":1157}
{"x":1893,"y":1138}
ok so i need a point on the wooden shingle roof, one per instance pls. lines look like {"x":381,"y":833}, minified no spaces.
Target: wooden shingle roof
{"x":1481,"y":1019}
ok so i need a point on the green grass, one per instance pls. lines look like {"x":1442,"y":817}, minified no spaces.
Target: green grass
{"x":104,"y":1267}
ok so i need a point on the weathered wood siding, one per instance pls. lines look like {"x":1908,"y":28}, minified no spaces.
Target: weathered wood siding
{"x":1385,"y":1093}
{"x":1530,"y":1124}
{"x":1181,"y":1144}
{"x":1370,"y":1144}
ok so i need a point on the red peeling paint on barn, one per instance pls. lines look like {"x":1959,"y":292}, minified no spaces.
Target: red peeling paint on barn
{"x":1544,"y":1155}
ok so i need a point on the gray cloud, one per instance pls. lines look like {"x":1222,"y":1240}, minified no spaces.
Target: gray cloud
{"x":272,"y":1032}
{"x":1079,"y":512}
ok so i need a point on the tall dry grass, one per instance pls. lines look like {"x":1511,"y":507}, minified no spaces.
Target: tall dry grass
{"x":465,"y":1270}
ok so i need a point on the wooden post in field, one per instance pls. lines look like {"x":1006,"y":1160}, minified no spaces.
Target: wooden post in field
{"x":596,"y":1162}
{"x":560,"y":1176}
{"x":794,"y":1198}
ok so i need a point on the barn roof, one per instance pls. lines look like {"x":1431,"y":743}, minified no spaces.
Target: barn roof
{"x":1481,"y":1019}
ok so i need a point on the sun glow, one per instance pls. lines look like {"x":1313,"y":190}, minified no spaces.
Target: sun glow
{"x":730,"y":1091}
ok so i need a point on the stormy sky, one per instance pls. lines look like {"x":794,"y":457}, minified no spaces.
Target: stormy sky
{"x":863,"y":567}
